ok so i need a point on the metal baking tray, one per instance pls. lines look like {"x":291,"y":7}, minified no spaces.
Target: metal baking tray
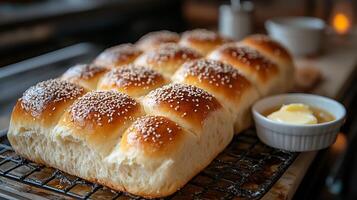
{"x":246,"y":169}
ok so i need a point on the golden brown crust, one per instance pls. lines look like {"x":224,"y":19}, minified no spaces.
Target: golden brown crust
{"x":85,"y":75}
{"x":100,"y":118}
{"x":246,"y":60}
{"x":153,"y":135}
{"x":216,"y":77}
{"x":132,"y":80}
{"x":117,"y":56}
{"x":46,"y":101}
{"x":267,"y":45}
{"x":167,"y":58}
{"x":202,"y":40}
{"x":187,"y":102}
{"x":154,"y":39}
{"x":102,"y":108}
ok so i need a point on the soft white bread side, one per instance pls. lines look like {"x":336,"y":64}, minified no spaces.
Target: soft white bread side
{"x":231,"y":88}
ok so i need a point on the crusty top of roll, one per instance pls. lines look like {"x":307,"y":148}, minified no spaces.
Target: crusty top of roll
{"x":153,"y":135}
{"x":246,"y":59}
{"x":202,"y":40}
{"x":167,"y":58}
{"x":214,"y":76}
{"x":84,"y":75}
{"x":156,"y":38}
{"x":267,"y":45}
{"x":47,"y":95}
{"x":83,"y":71}
{"x":132,"y":80}
{"x":186,"y":102}
{"x":117,"y":56}
{"x":99,"y":108}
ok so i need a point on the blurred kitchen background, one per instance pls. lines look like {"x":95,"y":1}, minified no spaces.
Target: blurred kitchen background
{"x":39,"y":39}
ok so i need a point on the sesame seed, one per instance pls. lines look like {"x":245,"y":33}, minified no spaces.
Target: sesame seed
{"x":156,"y":130}
{"x":102,"y":106}
{"x":82,"y":71}
{"x":201,"y":35}
{"x":117,"y":55}
{"x":171,"y":52}
{"x":37,"y":98}
{"x":197,"y":98}
{"x":134,"y":76}
{"x":157,"y":37}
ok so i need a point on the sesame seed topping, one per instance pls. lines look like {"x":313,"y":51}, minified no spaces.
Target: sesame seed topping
{"x":38,"y":97}
{"x":103,"y":107}
{"x":82,"y":71}
{"x":134,"y":76}
{"x":117,"y":55}
{"x":267,"y":44}
{"x":156,"y":130}
{"x":249,"y":57}
{"x":214,"y":72}
{"x":159,"y":37}
{"x":168,"y":52}
{"x":202,"y":35}
{"x":188,"y":96}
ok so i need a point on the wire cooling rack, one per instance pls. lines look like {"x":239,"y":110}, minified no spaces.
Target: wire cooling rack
{"x":246,"y":169}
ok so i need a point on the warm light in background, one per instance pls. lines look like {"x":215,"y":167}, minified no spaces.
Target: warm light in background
{"x":342,"y":17}
{"x":341,"y":23}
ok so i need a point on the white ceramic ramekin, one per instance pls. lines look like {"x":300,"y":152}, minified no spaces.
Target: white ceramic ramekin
{"x":298,"y":137}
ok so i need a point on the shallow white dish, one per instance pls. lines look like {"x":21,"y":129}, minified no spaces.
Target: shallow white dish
{"x":301,"y":35}
{"x":298,"y":137}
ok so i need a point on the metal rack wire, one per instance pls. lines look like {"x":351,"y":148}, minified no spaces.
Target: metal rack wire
{"x":246,"y":169}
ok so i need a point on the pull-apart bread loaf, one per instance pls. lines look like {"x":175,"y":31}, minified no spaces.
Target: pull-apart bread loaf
{"x":148,"y":117}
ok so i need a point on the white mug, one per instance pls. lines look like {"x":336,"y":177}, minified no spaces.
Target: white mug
{"x":235,"y":21}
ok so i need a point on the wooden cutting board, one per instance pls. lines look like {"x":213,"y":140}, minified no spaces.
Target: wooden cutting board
{"x":337,"y":65}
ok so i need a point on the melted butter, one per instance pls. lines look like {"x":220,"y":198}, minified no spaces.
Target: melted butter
{"x":298,"y":114}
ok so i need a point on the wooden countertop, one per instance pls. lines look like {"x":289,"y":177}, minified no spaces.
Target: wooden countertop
{"x":337,"y":65}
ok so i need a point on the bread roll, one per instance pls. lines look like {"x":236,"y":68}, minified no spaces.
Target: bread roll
{"x":99,"y":118}
{"x":154,"y":39}
{"x":84,"y":75}
{"x":254,"y":66}
{"x":147,"y":129}
{"x":274,"y":52}
{"x":202,"y":40}
{"x":231,"y":88}
{"x":167,"y":58}
{"x":37,"y":112}
{"x":133,"y":80}
{"x":185,"y":104}
{"x":117,"y":56}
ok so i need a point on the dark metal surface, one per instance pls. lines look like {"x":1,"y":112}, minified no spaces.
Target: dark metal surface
{"x":246,"y":169}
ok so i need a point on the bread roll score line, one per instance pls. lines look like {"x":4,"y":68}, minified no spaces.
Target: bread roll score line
{"x":145,"y":118}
